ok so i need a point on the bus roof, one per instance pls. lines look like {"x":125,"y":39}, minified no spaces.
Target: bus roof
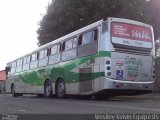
{"x":93,"y":25}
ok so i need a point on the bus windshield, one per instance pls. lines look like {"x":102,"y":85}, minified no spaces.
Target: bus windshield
{"x":131,"y":35}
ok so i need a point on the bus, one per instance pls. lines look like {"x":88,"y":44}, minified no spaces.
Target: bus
{"x":109,"y":57}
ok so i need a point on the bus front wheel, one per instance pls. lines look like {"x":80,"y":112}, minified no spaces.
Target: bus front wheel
{"x":60,"y":88}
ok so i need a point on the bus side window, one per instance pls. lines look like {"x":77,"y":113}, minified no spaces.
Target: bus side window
{"x":34,"y":60}
{"x":34,"y":57}
{"x":87,"y":38}
{"x":88,"y":46}
{"x":19,"y":65}
{"x":13,"y":68}
{"x":43,"y":58}
{"x":24,"y":60}
{"x":41,"y":54}
{"x":53,"y":49}
{"x":55,"y":54}
{"x":75,"y":42}
{"x":59,"y":48}
{"x":45,"y":52}
{"x":28,"y":59}
{"x":68,"y":44}
{"x":68,"y":51}
{"x":14,"y":64}
{"x":19,"y":62}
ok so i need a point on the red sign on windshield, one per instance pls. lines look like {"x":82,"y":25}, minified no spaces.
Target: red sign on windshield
{"x":132,"y":32}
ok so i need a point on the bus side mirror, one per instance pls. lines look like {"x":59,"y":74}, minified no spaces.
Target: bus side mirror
{"x":7,"y":69}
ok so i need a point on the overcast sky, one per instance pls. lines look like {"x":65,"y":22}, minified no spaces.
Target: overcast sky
{"x":18,"y":25}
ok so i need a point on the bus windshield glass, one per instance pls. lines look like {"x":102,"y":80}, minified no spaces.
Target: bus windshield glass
{"x":131,"y":35}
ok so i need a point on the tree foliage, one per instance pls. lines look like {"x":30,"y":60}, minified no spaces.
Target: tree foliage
{"x":65,"y":16}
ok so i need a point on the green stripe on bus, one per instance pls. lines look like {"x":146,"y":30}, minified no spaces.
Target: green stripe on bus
{"x":36,"y":77}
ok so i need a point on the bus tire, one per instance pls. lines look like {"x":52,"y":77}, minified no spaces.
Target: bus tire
{"x":60,"y":88}
{"x":48,"y":89}
{"x":13,"y":92}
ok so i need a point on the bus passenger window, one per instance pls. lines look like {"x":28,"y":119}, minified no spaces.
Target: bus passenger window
{"x":53,"y":49}
{"x":13,"y":64}
{"x":87,"y":38}
{"x":28,"y":59}
{"x":19,"y":62}
{"x":41,"y":54}
{"x":68,"y":44}
{"x":24,"y":60}
{"x":75,"y":42}
{"x":58,"y":48}
{"x":45,"y":53}
{"x":34,"y":57}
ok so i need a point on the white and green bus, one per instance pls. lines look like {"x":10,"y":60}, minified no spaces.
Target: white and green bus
{"x":105,"y":58}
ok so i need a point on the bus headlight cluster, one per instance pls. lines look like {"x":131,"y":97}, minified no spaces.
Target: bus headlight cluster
{"x":108,"y":67}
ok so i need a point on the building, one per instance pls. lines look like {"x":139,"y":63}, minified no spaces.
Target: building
{"x":2,"y":81}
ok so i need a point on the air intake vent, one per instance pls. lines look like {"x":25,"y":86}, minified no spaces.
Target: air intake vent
{"x":85,"y":79}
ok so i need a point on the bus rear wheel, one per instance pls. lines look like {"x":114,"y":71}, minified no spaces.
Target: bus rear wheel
{"x":60,"y":89}
{"x":48,"y":89}
{"x":13,"y":92}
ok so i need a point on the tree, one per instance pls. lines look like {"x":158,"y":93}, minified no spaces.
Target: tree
{"x":65,"y":16}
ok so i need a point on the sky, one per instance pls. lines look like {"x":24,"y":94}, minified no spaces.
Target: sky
{"x":18,"y":25}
